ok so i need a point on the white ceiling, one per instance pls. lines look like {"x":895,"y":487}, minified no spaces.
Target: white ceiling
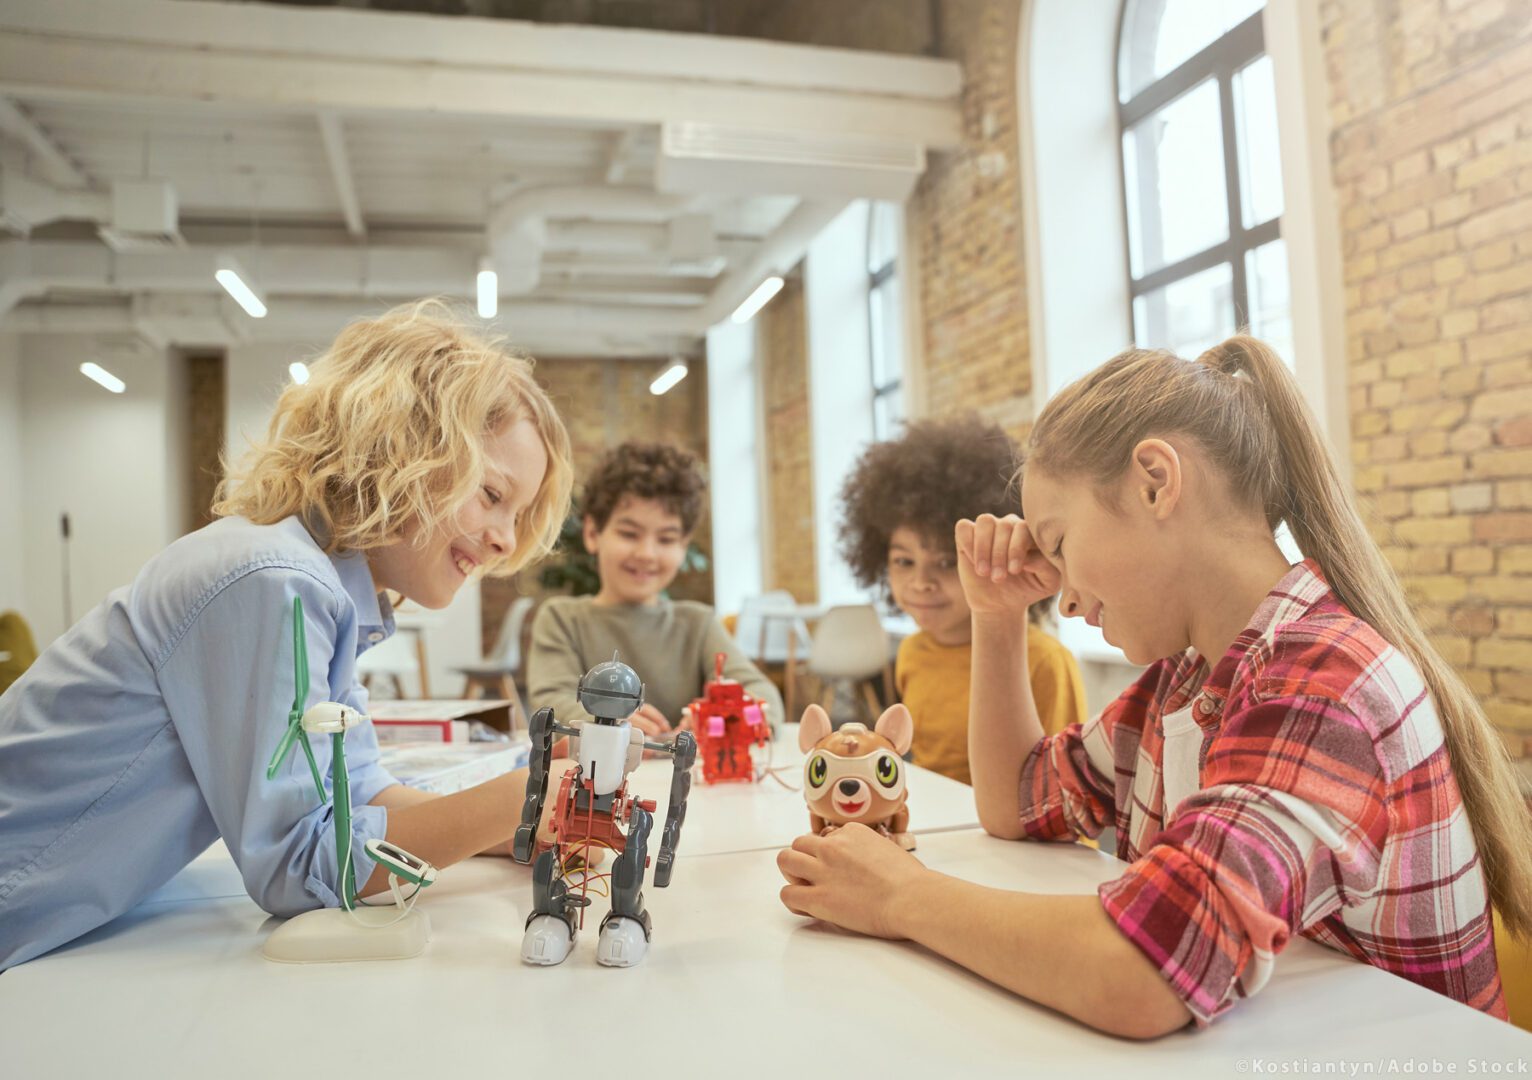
{"x":559,"y":129}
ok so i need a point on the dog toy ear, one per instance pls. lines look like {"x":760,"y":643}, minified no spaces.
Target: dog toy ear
{"x":814,"y":726}
{"x":897,"y":726}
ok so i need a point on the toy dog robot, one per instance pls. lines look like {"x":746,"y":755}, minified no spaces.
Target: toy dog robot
{"x":728,"y":722}
{"x":857,"y":775}
{"x":593,"y":809}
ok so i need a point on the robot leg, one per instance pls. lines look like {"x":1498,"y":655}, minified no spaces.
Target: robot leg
{"x":550,"y":929}
{"x":625,"y":930}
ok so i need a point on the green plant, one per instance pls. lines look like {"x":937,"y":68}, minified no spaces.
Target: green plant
{"x":573,"y":569}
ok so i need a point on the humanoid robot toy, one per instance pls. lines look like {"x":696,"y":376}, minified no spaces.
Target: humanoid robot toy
{"x":728,"y":722}
{"x":594,"y":810}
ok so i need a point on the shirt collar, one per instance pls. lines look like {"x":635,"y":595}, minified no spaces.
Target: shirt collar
{"x":1298,"y":592}
{"x":374,"y":612}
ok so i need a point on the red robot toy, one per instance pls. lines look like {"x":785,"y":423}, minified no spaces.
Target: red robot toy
{"x":727,"y":722}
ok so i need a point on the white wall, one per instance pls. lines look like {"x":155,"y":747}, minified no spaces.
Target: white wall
{"x":98,"y":456}
{"x":12,"y":467}
{"x":253,"y":377}
{"x":734,"y":441}
{"x":840,"y":383}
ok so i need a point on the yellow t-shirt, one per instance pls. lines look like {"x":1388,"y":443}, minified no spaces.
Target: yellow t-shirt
{"x":933,"y":682}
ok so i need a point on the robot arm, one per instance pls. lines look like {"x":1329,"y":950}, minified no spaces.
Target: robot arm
{"x":684,"y":750}
{"x":542,"y":729}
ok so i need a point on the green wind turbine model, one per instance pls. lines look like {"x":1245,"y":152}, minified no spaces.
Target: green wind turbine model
{"x":355,"y":930}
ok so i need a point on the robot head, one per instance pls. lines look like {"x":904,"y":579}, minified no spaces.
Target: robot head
{"x":611,"y":691}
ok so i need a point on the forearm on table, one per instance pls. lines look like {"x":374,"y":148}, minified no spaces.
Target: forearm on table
{"x":446,"y":829}
{"x":1003,"y":725}
{"x":1064,"y":952}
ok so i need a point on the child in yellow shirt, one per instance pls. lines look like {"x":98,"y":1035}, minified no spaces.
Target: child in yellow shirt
{"x":900,"y":504}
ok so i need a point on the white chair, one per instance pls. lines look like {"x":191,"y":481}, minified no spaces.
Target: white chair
{"x":769,"y":626}
{"x":770,"y":630}
{"x":501,"y":671}
{"x":850,"y":646}
{"x":393,"y":659}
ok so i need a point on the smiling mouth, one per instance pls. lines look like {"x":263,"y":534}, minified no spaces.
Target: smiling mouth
{"x":464,"y":564}
{"x":850,"y":807}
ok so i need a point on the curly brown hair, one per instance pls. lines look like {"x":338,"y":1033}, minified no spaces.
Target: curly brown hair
{"x":935,"y":474}
{"x":667,"y":474}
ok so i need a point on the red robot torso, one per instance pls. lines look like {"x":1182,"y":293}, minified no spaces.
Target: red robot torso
{"x":727,"y":722}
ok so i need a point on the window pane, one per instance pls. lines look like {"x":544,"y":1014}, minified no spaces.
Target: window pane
{"x":882,"y":235}
{"x":1255,"y":124}
{"x":1159,"y":36}
{"x":887,"y":332}
{"x":1271,"y":317}
{"x":1174,"y":175}
{"x":1189,"y":315}
{"x":887,"y":414}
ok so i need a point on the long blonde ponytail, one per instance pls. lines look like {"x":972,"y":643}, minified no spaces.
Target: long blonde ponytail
{"x":1243,"y":406}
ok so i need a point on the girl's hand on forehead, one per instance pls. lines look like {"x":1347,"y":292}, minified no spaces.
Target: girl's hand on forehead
{"x":1001,"y":568}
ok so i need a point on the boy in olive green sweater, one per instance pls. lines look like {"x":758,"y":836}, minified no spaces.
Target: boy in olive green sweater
{"x":641,"y":504}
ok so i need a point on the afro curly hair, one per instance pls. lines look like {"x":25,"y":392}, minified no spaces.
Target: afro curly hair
{"x":935,"y":474}
{"x":667,"y":474}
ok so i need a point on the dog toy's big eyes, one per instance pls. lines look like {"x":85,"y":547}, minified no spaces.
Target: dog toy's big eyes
{"x":819,"y":768}
{"x":888,"y":770}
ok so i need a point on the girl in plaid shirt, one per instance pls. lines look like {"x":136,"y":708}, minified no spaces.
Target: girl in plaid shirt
{"x":1297,"y":759}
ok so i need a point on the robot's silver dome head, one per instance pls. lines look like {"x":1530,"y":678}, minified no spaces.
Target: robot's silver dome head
{"x":611,"y":691}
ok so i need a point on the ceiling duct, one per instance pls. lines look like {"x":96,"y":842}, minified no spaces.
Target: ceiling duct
{"x":697,"y":157}
{"x":145,"y":217}
{"x":134,"y":216}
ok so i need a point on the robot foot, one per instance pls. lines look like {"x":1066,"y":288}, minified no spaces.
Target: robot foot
{"x":547,"y":941}
{"x":622,"y":943}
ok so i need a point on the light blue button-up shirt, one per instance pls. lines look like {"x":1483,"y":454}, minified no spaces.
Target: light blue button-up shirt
{"x":143,"y":734}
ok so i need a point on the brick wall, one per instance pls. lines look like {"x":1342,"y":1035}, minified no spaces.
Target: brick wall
{"x":206,"y":404}
{"x":966,"y":218}
{"x":965,"y":213}
{"x":782,"y":352}
{"x":603,"y":402}
{"x":1431,"y":106}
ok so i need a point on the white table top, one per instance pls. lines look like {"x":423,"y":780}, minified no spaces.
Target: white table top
{"x":722,"y":818}
{"x":734,"y":984}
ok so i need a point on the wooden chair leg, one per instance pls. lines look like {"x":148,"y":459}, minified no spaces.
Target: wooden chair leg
{"x":468,"y":687}
{"x":871,"y":698}
{"x":504,"y":689}
{"x":398,"y":686}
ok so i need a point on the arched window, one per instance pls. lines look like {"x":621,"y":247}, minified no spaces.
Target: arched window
{"x":1202,"y":179}
{"x":885,"y":319}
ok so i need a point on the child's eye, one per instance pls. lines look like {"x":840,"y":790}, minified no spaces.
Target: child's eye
{"x":492,"y":495}
{"x":1058,"y":549}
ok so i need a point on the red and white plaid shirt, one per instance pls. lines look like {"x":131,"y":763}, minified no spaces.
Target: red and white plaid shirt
{"x":1302,"y":786}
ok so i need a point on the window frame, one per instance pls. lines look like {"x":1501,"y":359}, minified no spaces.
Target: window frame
{"x":881,"y":277}
{"x":1221,"y":60}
